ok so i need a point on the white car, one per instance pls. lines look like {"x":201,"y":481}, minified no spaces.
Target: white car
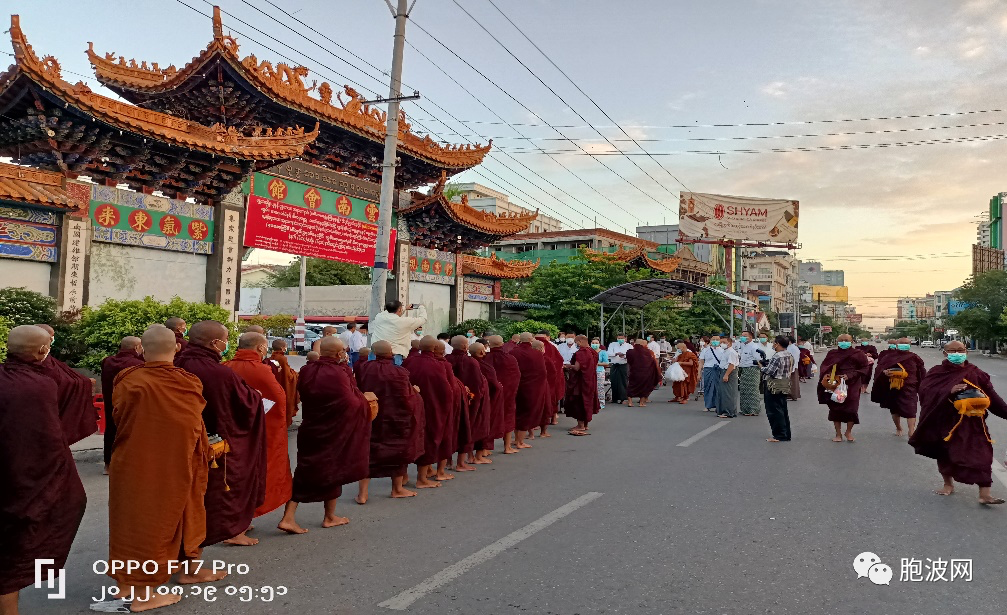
{"x":927,"y":344}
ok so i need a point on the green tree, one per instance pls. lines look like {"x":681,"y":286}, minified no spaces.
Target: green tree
{"x":451,"y":190}
{"x":478,"y":325}
{"x":5,"y":327}
{"x":321,"y":272}
{"x":278,"y":325}
{"x":986,"y":295}
{"x":507,"y":329}
{"x":20,"y":306}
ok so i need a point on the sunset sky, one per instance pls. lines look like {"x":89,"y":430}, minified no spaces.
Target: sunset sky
{"x":899,"y":220}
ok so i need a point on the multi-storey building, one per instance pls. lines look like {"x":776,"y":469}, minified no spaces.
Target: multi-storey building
{"x":486,"y":199}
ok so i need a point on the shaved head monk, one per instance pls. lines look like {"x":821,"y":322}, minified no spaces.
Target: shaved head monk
{"x":512,"y":343}
{"x":955,"y":399}
{"x":42,"y":500}
{"x":233,"y":412}
{"x":312,"y":356}
{"x":457,"y":404}
{"x":897,"y":383}
{"x":533,"y":389}
{"x":159,"y":411}
{"x":130,"y":354}
{"x":474,"y":424}
{"x":557,"y":381}
{"x":247,"y":363}
{"x":851,"y":365}
{"x":326,"y":332}
{"x":397,"y":431}
{"x":287,"y":377}
{"x":179,"y":328}
{"x":508,"y":373}
{"x":254,"y":329}
{"x":426,"y":372}
{"x":582,"y":401}
{"x":494,"y":403}
{"x":334,"y":439}
{"x":73,"y":393}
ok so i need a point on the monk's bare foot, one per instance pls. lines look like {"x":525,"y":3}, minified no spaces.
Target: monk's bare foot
{"x":241,"y":540}
{"x":545,"y":435}
{"x":403,"y":493}
{"x":482,"y":461}
{"x":291,"y":527}
{"x":530,"y":436}
{"x":155,"y":601}
{"x":898,"y":432}
{"x":991,"y":500}
{"x":838,"y":438}
{"x":203,"y":575}
{"x":945,"y":490}
{"x":771,"y":440}
{"x":360,"y":500}
{"x":427,"y":484}
{"x":555,"y":420}
{"x":509,"y":451}
{"x":444,"y":476}
{"x":849,"y":437}
{"x":334,"y":521}
{"x":464,"y":467}
{"x":105,"y":471}
{"x":524,"y":445}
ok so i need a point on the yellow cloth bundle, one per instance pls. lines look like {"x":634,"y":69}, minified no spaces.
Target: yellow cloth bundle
{"x":897,"y":378}
{"x":971,"y":406}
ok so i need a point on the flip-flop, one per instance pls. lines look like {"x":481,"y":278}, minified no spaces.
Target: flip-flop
{"x":993,"y":501}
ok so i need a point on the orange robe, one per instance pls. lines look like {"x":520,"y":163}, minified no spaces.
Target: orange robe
{"x":287,"y":378}
{"x":157,"y":476}
{"x":247,"y":364}
{"x":688,"y":386}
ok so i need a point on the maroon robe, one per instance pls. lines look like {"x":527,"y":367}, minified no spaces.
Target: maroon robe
{"x":181,"y":341}
{"x":334,"y":439}
{"x":74,"y":395}
{"x":495,"y":404}
{"x":870,"y":350}
{"x":533,"y":389}
{"x":397,"y":432}
{"x":804,"y":370}
{"x":904,"y":401}
{"x":426,"y":372}
{"x":456,"y":428}
{"x":853,"y":363}
{"x":509,"y":374}
{"x":968,"y":456}
{"x":582,"y":401}
{"x":42,"y":500}
{"x":508,"y":347}
{"x":480,"y":407}
{"x":110,"y":368}
{"x":557,"y":379}
{"x":234,"y":412}
{"x":644,"y":374}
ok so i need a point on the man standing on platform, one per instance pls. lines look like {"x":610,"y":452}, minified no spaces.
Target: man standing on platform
{"x":130,"y":354}
{"x":619,"y":374}
{"x":750,"y":374}
{"x":396,"y":329}
{"x":852,"y":367}
{"x":233,"y":413}
{"x":42,"y":501}
{"x":897,"y":382}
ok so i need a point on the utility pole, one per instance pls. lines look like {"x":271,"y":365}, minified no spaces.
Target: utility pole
{"x":299,"y":337}
{"x":379,"y":273}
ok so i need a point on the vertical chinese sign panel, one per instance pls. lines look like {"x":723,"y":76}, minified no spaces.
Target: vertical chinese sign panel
{"x":76,"y":252}
{"x":288,"y":216}
{"x":231,"y":262}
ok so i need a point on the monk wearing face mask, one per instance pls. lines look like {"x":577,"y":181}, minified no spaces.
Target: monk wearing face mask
{"x":853,"y":368}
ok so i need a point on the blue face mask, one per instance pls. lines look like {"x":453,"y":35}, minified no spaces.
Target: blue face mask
{"x":863,"y":343}
{"x":892,"y":346}
{"x":763,"y":339}
{"x":845,"y":345}
{"x":744,"y":339}
{"x":903,"y":346}
{"x":596,"y":346}
{"x":957,"y":357}
{"x":715,"y":343}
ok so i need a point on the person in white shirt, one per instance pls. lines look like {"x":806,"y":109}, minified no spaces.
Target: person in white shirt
{"x":654,"y":347}
{"x":392,"y":327}
{"x":750,"y":373}
{"x":767,"y":345}
{"x":665,"y":345}
{"x":727,"y":387}
{"x":712,"y":362}
{"x":619,"y":371}
{"x":795,"y":379}
{"x":445,"y":339}
{"x":567,"y":349}
{"x":346,"y":337}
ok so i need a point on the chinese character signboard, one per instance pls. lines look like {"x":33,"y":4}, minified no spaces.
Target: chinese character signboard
{"x":431,"y":266}
{"x":136,"y":219}
{"x":230,"y":261}
{"x":28,"y":234}
{"x":288,"y":216}
{"x":478,"y":289}
{"x":717,"y":216}
{"x":73,"y":277}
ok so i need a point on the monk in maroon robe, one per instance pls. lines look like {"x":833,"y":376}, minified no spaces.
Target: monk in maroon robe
{"x":467,"y":370}
{"x":509,"y":375}
{"x":533,"y":389}
{"x":130,"y":354}
{"x":484,"y":446}
{"x":644,"y":374}
{"x":334,"y":439}
{"x":582,"y":401}
{"x":179,"y":328}
{"x":42,"y":500}
{"x":397,"y":432}
{"x":363,"y":358}
{"x":557,"y":382}
{"x":456,"y":420}
{"x":512,"y":343}
{"x":427,"y":373}
{"x":852,"y":367}
{"x":897,"y":378}
{"x":234,"y":412}
{"x":954,"y":431}
{"x":74,"y":393}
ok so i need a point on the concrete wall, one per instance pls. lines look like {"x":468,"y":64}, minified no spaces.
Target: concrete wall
{"x":437,"y":299}
{"x":29,"y":274}
{"x":131,"y":272}
{"x":318,"y":301}
{"x":476,"y":309}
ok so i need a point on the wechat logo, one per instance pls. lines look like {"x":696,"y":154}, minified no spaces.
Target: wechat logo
{"x":869,"y":565}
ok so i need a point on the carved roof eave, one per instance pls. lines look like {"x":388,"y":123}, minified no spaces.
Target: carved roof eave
{"x":359,"y":121}
{"x":159,"y":126}
{"x":494,"y":267}
{"x":466,"y":215}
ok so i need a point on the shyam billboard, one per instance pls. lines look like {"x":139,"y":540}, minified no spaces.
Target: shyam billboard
{"x":742,"y":218}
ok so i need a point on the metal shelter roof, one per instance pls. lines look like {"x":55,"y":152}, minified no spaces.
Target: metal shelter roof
{"x":643,"y":292}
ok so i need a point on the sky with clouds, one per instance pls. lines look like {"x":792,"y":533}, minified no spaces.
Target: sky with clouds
{"x":899,"y":219}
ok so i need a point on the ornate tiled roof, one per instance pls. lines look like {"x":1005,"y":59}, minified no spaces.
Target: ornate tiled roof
{"x":26,"y":185}
{"x":494,"y":267}
{"x":285,"y":85}
{"x":465,"y":214}
{"x":286,"y":143}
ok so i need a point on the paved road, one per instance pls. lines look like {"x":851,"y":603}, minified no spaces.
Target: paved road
{"x":728,"y":525}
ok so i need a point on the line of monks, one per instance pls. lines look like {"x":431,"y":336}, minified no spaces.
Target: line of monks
{"x":953,"y":398}
{"x":215,"y":435}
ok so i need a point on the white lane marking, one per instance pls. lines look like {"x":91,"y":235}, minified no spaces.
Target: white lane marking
{"x":709,"y":430}
{"x":402,"y":601}
{"x":1000,"y":472}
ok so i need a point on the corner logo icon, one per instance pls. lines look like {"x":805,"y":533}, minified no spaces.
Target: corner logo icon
{"x":869,"y":565}
{"x":56,"y":578}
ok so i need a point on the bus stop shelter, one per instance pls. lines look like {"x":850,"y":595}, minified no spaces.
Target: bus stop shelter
{"x":641,"y":293}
